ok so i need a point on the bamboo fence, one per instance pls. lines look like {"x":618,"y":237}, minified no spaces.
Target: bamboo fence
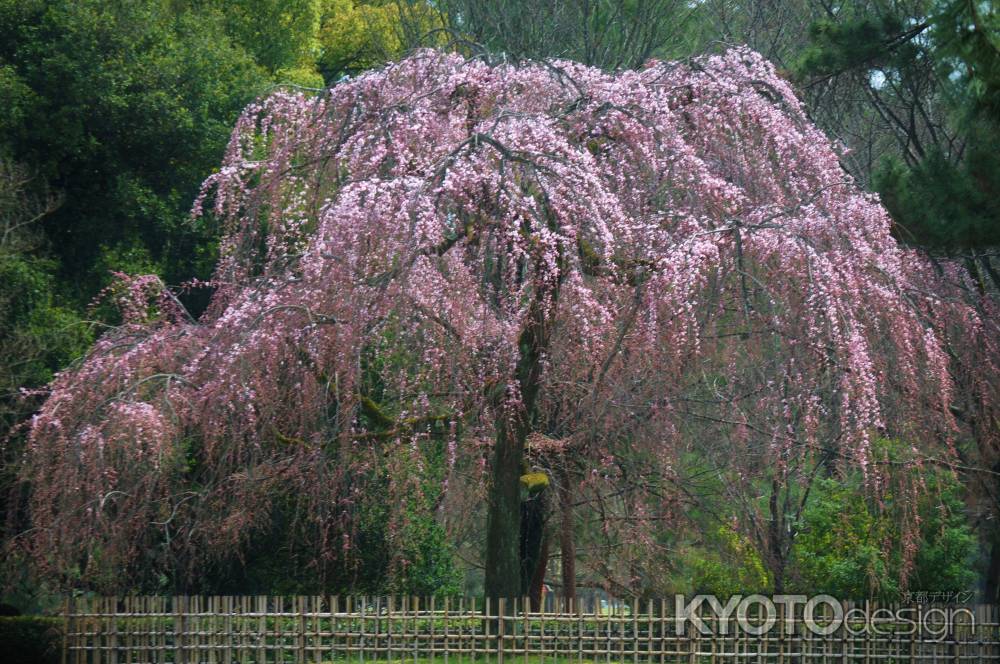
{"x":307,"y":630}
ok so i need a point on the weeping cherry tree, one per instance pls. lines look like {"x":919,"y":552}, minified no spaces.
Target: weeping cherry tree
{"x":489,"y":254}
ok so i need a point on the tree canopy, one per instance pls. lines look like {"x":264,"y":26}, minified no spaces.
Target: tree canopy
{"x":487,"y":261}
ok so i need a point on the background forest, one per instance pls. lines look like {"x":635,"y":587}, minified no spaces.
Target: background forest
{"x":113,"y":112}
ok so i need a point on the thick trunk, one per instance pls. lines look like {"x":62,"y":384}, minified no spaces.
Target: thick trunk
{"x":566,"y":542}
{"x":503,"y":535}
{"x":503,"y":551}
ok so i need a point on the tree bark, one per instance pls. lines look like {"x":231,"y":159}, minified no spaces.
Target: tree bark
{"x":566,"y":542}
{"x":503,"y":535}
{"x":534,"y":538}
{"x":503,"y":554}
{"x":538,"y":578}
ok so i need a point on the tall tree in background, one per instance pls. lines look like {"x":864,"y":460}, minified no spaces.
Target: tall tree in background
{"x":112,"y":113}
{"x":279,"y":34}
{"x":123,"y":109}
{"x":356,"y":35}
{"x":610,"y":34}
{"x":925,"y":69}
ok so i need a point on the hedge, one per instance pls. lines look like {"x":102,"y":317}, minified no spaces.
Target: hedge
{"x":30,"y":639}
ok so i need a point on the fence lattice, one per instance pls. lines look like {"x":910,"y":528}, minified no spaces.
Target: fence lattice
{"x":305,"y":630}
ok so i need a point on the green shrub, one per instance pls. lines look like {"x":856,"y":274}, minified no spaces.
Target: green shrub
{"x":30,"y":639}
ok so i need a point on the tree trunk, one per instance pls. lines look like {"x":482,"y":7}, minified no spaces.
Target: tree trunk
{"x":566,"y":542}
{"x":538,"y":578}
{"x":503,"y":535}
{"x":534,"y":539}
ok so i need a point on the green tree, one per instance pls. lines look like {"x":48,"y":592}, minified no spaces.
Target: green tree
{"x":931,"y":72}
{"x":357,"y":35}
{"x":280,"y":34}
{"x":849,"y":548}
{"x":38,"y":332}
{"x":611,"y":34}
{"x":123,"y":107}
